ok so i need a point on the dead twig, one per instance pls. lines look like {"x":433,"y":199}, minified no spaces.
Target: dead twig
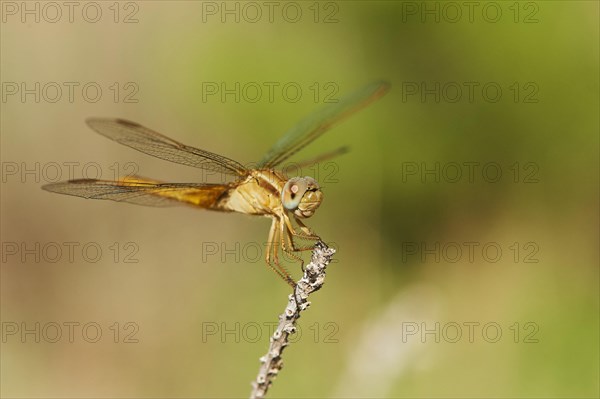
{"x":313,"y":279}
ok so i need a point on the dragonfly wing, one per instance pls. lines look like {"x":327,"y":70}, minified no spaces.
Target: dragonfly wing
{"x":152,"y":143}
{"x":319,"y":122}
{"x":143,"y":192}
{"x":322,"y":157}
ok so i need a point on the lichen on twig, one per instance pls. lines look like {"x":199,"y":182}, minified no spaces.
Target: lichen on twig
{"x":311,"y":281}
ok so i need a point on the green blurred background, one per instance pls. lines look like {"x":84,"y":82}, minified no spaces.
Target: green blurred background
{"x":357,"y":338}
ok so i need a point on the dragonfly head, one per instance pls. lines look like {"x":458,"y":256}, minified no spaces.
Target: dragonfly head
{"x":301,"y":195}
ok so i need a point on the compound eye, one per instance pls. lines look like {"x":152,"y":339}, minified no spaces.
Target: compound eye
{"x":292,"y":193}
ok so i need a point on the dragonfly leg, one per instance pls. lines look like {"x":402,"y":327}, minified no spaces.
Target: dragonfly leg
{"x":290,"y":237}
{"x":289,"y":248}
{"x":306,"y":233}
{"x":273,"y":250}
{"x":306,"y":230}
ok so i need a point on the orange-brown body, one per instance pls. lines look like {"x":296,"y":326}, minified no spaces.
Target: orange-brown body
{"x":257,"y":194}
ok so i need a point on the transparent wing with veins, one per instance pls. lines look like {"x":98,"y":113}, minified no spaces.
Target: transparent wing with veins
{"x":319,"y":122}
{"x":152,"y":143}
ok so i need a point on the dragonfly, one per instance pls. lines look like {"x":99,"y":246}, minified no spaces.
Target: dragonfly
{"x":260,"y":191}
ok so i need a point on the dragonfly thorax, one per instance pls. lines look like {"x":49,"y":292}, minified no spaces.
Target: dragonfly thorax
{"x":301,"y":195}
